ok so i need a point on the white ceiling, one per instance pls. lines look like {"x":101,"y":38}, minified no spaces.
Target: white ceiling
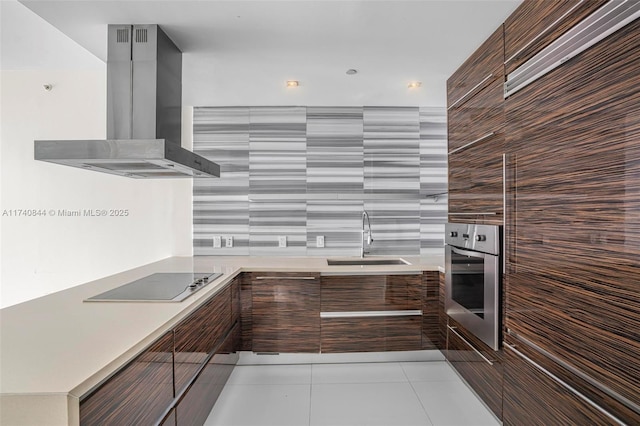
{"x":241,"y":52}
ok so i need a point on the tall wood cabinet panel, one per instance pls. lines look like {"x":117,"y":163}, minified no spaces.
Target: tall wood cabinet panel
{"x":537,"y":23}
{"x":137,"y":394}
{"x":285,"y":312}
{"x":573,"y":267}
{"x":484,"y":66}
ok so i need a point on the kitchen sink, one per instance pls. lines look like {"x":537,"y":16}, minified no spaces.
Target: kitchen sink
{"x":366,"y":261}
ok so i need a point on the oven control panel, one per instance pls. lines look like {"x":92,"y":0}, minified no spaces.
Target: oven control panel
{"x":483,"y":238}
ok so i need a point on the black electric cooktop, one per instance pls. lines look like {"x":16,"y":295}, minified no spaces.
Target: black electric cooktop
{"x":160,"y":287}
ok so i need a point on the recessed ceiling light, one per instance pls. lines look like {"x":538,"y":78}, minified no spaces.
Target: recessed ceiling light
{"x":293,"y":83}
{"x":352,"y":71}
{"x":414,"y":84}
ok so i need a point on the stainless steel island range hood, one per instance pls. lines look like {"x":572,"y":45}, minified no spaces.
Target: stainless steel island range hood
{"x":144,"y":113}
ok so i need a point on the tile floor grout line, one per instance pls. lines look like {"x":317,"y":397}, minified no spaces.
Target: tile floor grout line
{"x":417,"y":396}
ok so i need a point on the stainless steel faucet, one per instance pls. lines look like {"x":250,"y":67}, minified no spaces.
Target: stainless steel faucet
{"x":365,"y":215}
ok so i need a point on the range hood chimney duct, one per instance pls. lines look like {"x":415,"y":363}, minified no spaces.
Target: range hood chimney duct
{"x":144,"y":113}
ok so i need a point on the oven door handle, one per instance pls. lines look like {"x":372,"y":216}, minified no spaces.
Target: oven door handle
{"x":468,"y":253}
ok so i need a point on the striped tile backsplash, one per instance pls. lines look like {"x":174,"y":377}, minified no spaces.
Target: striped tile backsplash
{"x":303,"y":172}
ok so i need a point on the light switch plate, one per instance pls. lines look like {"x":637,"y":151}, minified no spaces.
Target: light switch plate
{"x":320,"y":241}
{"x":282,"y":241}
{"x":228,"y":242}
{"x":217,"y":241}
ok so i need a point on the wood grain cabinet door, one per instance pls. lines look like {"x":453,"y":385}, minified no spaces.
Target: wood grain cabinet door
{"x":537,"y":23}
{"x":137,"y":394}
{"x":573,"y":259}
{"x":484,"y":66}
{"x":480,"y":118}
{"x":194,"y":408}
{"x":476,"y":183}
{"x":369,"y":296}
{"x":286,"y":312}
{"x":198,"y":334}
{"x":480,"y":366}
{"x":542,"y":394}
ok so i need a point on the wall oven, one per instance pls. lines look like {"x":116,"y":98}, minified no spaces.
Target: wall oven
{"x":472,"y":279}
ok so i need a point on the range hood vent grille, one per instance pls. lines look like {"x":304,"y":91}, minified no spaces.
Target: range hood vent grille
{"x":608,"y":19}
{"x":141,"y":35}
{"x":122,"y":35}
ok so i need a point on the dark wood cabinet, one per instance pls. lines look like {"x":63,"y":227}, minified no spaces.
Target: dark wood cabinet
{"x":476,"y":183}
{"x":285,"y":312}
{"x":196,"y":336}
{"x":194,"y":408}
{"x":478,"y":364}
{"x":573,"y":257}
{"x":537,"y":23}
{"x":363,"y":313}
{"x":372,"y":334}
{"x":480,"y":118}
{"x":246,"y":308}
{"x":431,"y":332}
{"x":538,"y":389}
{"x":179,"y":368}
{"x":483,"y":67}
{"x":137,"y":394}
{"x":476,"y":125}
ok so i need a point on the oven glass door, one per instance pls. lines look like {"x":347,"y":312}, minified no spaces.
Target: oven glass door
{"x":467,"y":280}
{"x":472,"y":292}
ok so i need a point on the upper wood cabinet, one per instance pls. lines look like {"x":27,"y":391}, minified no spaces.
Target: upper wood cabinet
{"x":285,"y":312}
{"x":537,"y":23}
{"x":476,"y":183}
{"x":484,"y":66}
{"x":478,"y":119}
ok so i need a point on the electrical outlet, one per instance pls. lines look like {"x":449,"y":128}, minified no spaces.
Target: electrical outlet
{"x":228,"y":242}
{"x":282,"y":241}
{"x":320,"y":241}
{"x":217,"y":241}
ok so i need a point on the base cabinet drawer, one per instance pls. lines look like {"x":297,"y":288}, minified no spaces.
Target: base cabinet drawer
{"x":371,"y":334}
{"x":532,"y":395}
{"x":138,"y":394}
{"x":194,"y":408}
{"x":479,"y":365}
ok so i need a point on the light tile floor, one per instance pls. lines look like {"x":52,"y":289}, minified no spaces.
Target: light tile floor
{"x":317,"y":393}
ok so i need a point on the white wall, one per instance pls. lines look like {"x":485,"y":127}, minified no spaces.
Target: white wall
{"x":41,"y":255}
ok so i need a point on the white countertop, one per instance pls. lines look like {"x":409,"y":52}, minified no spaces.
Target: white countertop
{"x":58,"y":345}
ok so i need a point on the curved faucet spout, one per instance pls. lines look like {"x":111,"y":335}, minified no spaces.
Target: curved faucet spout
{"x":365,"y":215}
